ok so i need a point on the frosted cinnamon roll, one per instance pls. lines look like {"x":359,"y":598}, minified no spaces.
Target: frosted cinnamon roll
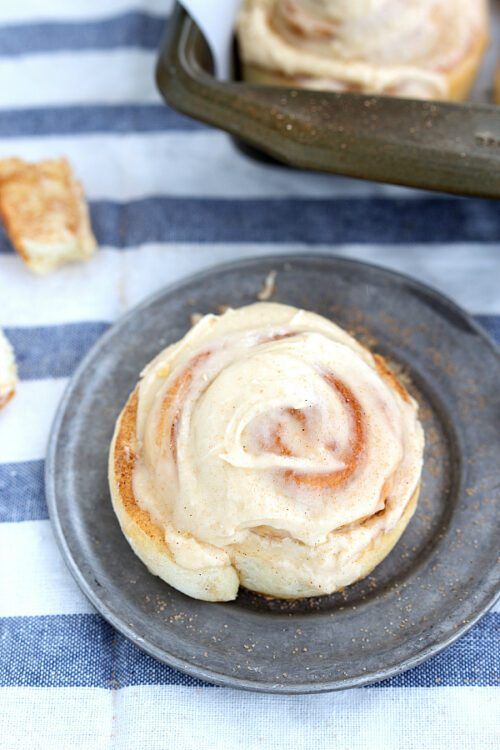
{"x":266,"y":448}
{"x":428,"y":49}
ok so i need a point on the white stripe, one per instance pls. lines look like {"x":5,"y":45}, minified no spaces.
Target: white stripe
{"x":38,"y":582}
{"x":57,"y":718}
{"x":115,"y":280}
{"x":33,"y":11}
{"x":123,"y":76}
{"x":382,"y":719}
{"x":184,"y":164}
{"x":25,"y":423}
{"x":184,"y":718}
{"x":99,"y":283}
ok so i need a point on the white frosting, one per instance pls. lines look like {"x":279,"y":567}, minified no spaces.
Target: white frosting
{"x":403,"y":46}
{"x":251,"y":421}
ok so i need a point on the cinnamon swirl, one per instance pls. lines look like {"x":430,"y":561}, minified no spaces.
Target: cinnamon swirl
{"x":266,"y":448}
{"x":425,"y":49}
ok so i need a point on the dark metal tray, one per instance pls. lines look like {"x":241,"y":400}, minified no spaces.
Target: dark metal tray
{"x":437,"y":146}
{"x":435,"y":584}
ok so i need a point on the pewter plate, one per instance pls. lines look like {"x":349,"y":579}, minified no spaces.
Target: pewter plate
{"x":440,"y":578}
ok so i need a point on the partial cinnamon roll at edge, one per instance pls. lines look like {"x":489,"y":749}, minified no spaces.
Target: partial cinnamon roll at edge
{"x":267,"y":449}
{"x":423,"y":49}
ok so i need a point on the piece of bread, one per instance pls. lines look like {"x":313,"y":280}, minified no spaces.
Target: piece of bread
{"x":44,"y":212}
{"x":8,"y":371}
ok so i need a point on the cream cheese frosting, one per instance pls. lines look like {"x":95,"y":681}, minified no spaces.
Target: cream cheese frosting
{"x":379,"y":46}
{"x":269,"y":438}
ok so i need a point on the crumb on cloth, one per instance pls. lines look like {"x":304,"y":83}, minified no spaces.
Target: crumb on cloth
{"x":268,"y":287}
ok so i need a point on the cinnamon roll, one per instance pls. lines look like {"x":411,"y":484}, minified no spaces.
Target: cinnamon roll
{"x":425,"y":49}
{"x":266,"y":448}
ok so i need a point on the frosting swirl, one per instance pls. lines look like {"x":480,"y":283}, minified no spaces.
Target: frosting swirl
{"x":269,"y":439}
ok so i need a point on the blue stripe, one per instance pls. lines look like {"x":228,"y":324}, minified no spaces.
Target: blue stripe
{"x":364,"y":220}
{"x":128,"y":30}
{"x":76,"y":120}
{"x":326,"y":221}
{"x":76,"y":650}
{"x":52,"y":351}
{"x":472,"y":660}
{"x":83,"y":650}
{"x":61,"y":651}
{"x":22,"y":491}
{"x":491,"y":324}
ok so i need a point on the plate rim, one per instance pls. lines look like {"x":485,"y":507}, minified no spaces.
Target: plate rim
{"x":161,"y":654}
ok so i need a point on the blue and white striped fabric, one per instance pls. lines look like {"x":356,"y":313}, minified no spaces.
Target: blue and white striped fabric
{"x":169,"y":197}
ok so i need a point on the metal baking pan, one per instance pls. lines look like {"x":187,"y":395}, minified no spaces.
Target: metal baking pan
{"x":437,"y":146}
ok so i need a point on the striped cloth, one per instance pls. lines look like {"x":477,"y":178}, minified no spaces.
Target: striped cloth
{"x":169,"y":196}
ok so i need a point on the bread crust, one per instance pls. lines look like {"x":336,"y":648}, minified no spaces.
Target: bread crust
{"x":44,"y":212}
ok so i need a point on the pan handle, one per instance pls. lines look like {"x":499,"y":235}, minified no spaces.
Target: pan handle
{"x":453,"y":148}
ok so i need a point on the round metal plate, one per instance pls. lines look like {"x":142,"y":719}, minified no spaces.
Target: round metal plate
{"x":435,"y":584}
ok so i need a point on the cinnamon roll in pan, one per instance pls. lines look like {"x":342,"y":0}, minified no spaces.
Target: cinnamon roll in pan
{"x":425,"y":49}
{"x":268,"y":449}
